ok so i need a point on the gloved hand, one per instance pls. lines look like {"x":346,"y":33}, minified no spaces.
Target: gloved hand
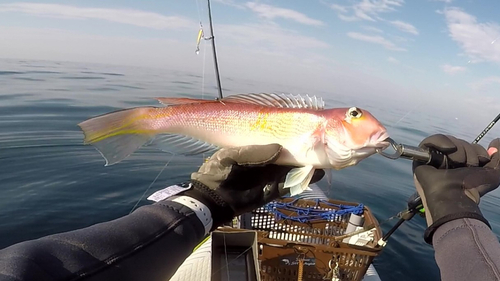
{"x":453,"y":192}
{"x":240,"y":179}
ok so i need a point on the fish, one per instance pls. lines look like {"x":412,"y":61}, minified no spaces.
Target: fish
{"x":312,"y":136}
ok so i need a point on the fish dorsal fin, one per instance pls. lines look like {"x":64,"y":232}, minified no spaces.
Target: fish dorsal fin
{"x":177,"y":101}
{"x":273,"y":99}
{"x":279,"y":100}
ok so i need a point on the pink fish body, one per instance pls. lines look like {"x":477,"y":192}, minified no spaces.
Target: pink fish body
{"x":312,"y":137}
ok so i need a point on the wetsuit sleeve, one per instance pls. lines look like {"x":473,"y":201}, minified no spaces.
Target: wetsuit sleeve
{"x":466,"y":249}
{"x":149,"y":244}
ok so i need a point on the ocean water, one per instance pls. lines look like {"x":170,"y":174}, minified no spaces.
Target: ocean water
{"x":50,"y":182}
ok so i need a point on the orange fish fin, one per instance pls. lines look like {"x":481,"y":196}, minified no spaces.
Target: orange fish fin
{"x":177,"y":101}
{"x":279,"y":100}
{"x":118,"y":134}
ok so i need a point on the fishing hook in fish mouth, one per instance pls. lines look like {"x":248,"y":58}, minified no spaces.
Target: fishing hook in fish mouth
{"x":409,"y":152}
{"x":397,"y":150}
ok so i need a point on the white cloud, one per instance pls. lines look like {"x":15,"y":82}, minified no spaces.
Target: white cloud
{"x":477,"y":40}
{"x":370,"y":9}
{"x":125,"y":16}
{"x":451,"y":69}
{"x":376,"y":40}
{"x":374,"y":29}
{"x":401,"y":39}
{"x":228,"y":3}
{"x":392,"y":60}
{"x":272,"y":12}
{"x":445,"y":1}
{"x":338,"y":8}
{"x":404,"y":26}
{"x":348,"y":18}
{"x":268,"y":38}
{"x":366,"y":9}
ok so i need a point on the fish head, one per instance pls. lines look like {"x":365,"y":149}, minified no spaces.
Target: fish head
{"x":351,"y":135}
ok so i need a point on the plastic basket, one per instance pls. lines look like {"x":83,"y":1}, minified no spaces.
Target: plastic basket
{"x":312,"y":250}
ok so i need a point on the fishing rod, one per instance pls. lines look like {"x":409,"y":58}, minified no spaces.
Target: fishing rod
{"x":481,"y":135}
{"x":404,"y":151}
{"x":212,"y":37}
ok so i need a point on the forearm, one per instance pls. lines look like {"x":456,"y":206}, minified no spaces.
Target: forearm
{"x":148,"y":244}
{"x":466,"y":249}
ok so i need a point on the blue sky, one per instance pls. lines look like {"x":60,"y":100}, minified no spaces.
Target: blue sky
{"x":440,"y":49}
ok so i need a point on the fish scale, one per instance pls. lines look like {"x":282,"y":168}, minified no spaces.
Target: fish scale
{"x":254,"y":120}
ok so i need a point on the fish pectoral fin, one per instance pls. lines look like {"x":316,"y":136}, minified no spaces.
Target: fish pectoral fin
{"x":297,"y":180}
{"x":181,"y":144}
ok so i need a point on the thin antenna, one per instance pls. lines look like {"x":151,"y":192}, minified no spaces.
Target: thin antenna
{"x":216,"y":64}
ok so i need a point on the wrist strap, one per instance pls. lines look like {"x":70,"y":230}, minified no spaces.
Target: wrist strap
{"x":169,"y":191}
{"x":201,"y":211}
{"x":220,"y":210}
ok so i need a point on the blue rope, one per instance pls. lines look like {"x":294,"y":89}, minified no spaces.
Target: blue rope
{"x":311,"y":213}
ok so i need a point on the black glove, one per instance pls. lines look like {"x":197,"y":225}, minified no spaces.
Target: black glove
{"x":452,"y":191}
{"x":240,"y":179}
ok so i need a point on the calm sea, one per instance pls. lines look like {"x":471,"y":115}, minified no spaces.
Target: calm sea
{"x":50,"y":182}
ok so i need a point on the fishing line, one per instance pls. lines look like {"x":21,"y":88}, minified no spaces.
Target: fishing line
{"x":41,"y":146}
{"x":198,"y":8}
{"x":225,"y":255}
{"x":149,"y":187}
{"x":203,"y":69}
{"x":232,"y":260}
{"x":219,"y":89}
{"x":203,"y":89}
{"x":404,"y":116}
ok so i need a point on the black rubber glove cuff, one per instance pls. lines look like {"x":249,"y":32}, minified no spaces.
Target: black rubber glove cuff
{"x":221,"y":211}
{"x":429,"y":232}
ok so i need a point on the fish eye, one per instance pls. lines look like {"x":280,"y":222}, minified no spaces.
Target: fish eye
{"x":354,"y":112}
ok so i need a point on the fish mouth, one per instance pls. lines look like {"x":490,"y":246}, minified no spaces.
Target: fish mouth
{"x":379,"y":140}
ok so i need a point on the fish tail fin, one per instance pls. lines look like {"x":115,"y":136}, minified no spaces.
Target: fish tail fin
{"x":118,"y":134}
